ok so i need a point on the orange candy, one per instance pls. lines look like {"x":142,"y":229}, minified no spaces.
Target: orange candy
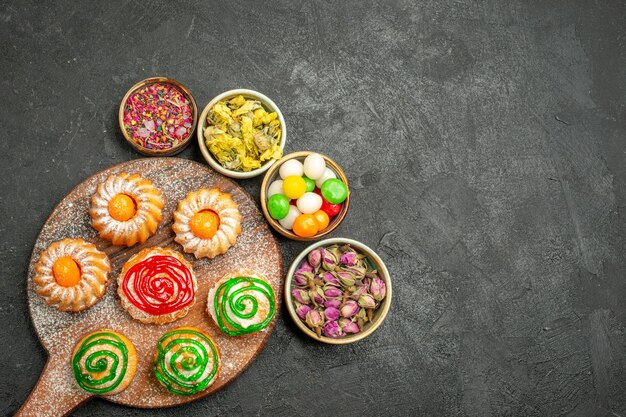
{"x":322,"y":219}
{"x":66,"y":271}
{"x":204,"y":224}
{"x":122,"y":207}
{"x":305,"y":225}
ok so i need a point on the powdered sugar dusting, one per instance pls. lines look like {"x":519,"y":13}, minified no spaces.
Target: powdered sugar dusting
{"x":255,"y":248}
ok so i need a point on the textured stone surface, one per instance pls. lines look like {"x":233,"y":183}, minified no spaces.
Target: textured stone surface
{"x":486,"y":145}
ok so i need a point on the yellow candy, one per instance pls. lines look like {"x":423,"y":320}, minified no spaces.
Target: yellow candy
{"x":294,"y":187}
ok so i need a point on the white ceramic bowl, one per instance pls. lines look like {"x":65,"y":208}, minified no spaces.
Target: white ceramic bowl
{"x":379,"y":315}
{"x":269,"y":105}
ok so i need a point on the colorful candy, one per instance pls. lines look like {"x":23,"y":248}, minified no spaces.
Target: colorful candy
{"x":305,"y":225}
{"x":292,"y":167}
{"x":322,"y":219}
{"x":309,"y":203}
{"x":314,"y":166}
{"x":275,"y":188}
{"x":334,"y":191}
{"x":294,"y":186}
{"x":287,"y":222}
{"x":310,"y":184}
{"x":278,"y":206}
{"x":158,"y":116}
{"x":328,"y":174}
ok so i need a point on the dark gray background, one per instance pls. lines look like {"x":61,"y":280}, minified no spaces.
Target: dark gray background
{"x":486,"y":146}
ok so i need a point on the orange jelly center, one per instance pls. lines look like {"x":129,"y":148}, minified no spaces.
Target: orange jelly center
{"x":122,"y":207}
{"x":66,"y":271}
{"x":204,"y":224}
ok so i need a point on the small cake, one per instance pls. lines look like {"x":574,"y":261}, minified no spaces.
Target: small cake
{"x":157,"y":285}
{"x":207,"y":222}
{"x":104,"y":362}
{"x":71,"y":274}
{"x":126,"y":209}
{"x":187,"y":361}
{"x":242,"y":302}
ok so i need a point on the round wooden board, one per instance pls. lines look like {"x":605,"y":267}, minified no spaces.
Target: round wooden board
{"x":57,"y":393}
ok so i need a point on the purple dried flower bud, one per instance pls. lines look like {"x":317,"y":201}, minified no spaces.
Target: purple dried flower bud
{"x":348,"y":259}
{"x":367,"y":301}
{"x":331,"y":313}
{"x":346,"y":278}
{"x":316,"y":295}
{"x":332,"y":303}
{"x":315,"y":258}
{"x":350,"y":308}
{"x":331,"y":329}
{"x":334,"y":249}
{"x":314,"y":319}
{"x":301,"y":278}
{"x":358,"y":292}
{"x":348,"y":326}
{"x":329,"y":260}
{"x":305,"y":267}
{"x":378,"y":289}
{"x":357,"y":270}
{"x":331,"y":279}
{"x":332,"y":292}
{"x":302,"y":310}
{"x":301,"y":296}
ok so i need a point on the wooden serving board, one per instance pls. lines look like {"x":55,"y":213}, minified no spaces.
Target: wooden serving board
{"x":57,"y":393}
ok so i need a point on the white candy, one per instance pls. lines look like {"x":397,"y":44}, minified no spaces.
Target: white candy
{"x":287,"y":222}
{"x":275,"y":188}
{"x":328,"y":173}
{"x":291,"y":167}
{"x":309,"y":203}
{"x":314,"y":166}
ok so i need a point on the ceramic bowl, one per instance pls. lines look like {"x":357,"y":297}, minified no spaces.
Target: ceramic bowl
{"x":273,"y":174}
{"x":269,"y":105}
{"x":379,"y":315}
{"x":158,"y":152}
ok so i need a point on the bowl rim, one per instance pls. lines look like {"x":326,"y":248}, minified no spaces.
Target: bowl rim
{"x":202,"y":122}
{"x":382,"y":271}
{"x":288,"y":233}
{"x":158,"y":152}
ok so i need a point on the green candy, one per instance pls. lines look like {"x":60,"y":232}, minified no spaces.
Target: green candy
{"x":278,"y":206}
{"x":310,"y":184}
{"x":334,"y":191}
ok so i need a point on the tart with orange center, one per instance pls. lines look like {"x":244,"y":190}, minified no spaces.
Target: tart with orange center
{"x":71,"y":274}
{"x":207,"y":222}
{"x":126,"y":209}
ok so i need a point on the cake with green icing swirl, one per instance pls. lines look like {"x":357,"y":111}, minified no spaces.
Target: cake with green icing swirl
{"x":242,"y":303}
{"x":187,"y":361}
{"x":104,"y":362}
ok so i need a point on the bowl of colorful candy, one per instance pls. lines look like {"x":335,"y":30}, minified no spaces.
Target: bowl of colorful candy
{"x":241,"y":133}
{"x":157,"y":116}
{"x":305,"y":196}
{"x":338,"y":291}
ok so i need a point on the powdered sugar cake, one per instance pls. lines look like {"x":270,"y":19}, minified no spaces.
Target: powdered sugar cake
{"x":57,"y":393}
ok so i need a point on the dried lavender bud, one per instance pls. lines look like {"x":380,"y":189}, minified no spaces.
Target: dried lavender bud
{"x":332,"y":303}
{"x":301,"y":296}
{"x":331,"y":313}
{"x":349,"y":308}
{"x":314,"y":319}
{"x":367,"y":301}
{"x":302,"y":310}
{"x":315,"y":258}
{"x":332,"y":292}
{"x":329,"y":260}
{"x":330,"y":278}
{"x":348,"y":259}
{"x":348,"y":326}
{"x":378,"y":289}
{"x":331,"y":329}
{"x":346,"y":278}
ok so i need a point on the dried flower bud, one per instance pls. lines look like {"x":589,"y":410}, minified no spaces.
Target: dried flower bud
{"x":349,"y":308}
{"x":315,"y":258}
{"x":334,"y":249}
{"x":317,"y":295}
{"x":301,"y":296}
{"x":378,"y":289}
{"x":346,"y":278}
{"x":301,"y":278}
{"x":331,"y":329}
{"x":330,"y":278}
{"x":331,"y":313}
{"x":367,"y":301}
{"x":332,"y":292}
{"x":357,"y":270}
{"x":314,"y":319}
{"x":357,"y":292}
{"x":305,"y":267}
{"x":348,"y":326}
{"x":332,"y":303}
{"x":302,"y":310}
{"x":348,"y":259}
{"x":329,"y":260}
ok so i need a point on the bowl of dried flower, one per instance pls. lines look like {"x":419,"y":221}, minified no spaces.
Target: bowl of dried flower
{"x":338,"y":291}
{"x":241,"y":133}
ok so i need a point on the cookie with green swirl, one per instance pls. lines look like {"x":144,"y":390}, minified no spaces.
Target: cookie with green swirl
{"x":104,"y":362}
{"x":242,"y":302}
